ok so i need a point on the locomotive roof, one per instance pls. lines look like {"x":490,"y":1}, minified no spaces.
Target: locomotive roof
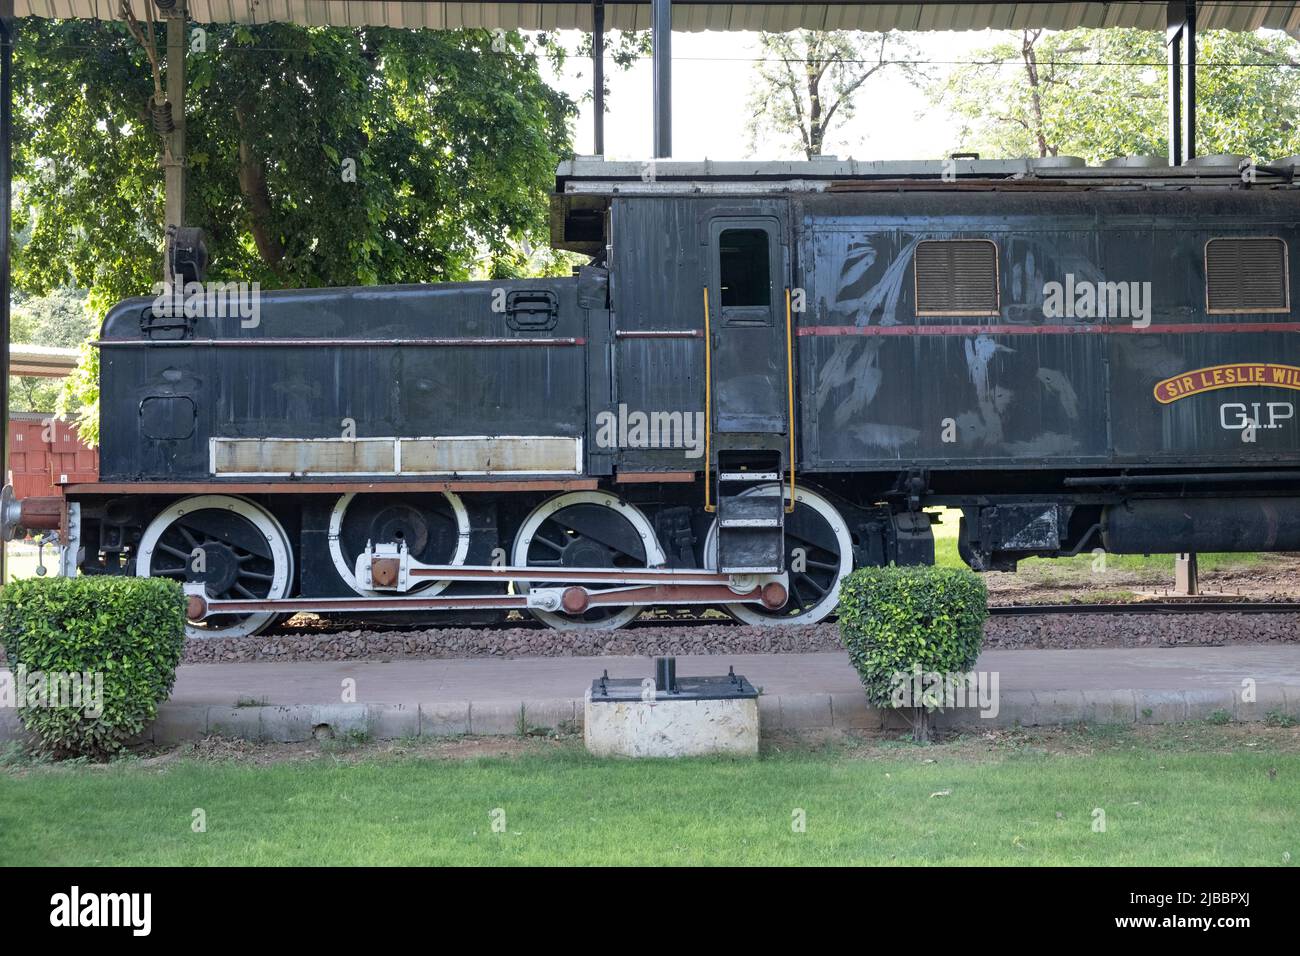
{"x":595,"y":175}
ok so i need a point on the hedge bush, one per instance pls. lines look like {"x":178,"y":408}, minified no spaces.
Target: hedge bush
{"x":911,"y":620}
{"x":129,"y":630}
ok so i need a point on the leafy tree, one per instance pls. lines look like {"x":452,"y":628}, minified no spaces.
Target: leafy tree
{"x":59,"y":319}
{"x":32,"y":393}
{"x":623,"y":47}
{"x":808,"y":81}
{"x":1104,"y":93}
{"x":79,"y":397}
{"x":317,"y":156}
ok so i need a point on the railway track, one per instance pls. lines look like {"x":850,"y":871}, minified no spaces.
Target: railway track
{"x":1157,"y":622}
{"x":1150,"y":607}
{"x":324,"y":627}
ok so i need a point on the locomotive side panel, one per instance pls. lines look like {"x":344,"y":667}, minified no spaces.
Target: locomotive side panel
{"x":342,"y":376}
{"x":889,"y":384}
{"x":1193,"y":384}
{"x":1100,"y":349}
{"x":656,"y":282}
{"x":665,"y":253}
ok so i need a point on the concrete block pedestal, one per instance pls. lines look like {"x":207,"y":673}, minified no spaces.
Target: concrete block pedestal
{"x":690,"y":717}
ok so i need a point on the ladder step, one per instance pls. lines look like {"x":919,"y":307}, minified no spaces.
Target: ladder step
{"x":749,"y":506}
{"x":750,"y":523}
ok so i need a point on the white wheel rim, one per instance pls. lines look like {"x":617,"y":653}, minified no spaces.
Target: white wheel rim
{"x":347,"y":572}
{"x":255,"y":514}
{"x":640,"y":524}
{"x":749,"y":613}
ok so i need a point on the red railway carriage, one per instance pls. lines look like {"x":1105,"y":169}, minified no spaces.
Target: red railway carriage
{"x":45,"y":454}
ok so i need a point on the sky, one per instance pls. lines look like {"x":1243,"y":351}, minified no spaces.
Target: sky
{"x":712,"y":76}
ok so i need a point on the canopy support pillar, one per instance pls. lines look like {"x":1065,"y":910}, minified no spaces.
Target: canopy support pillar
{"x":598,"y":76}
{"x":6,"y":189}
{"x":1180,"y":37}
{"x":661,"y":18}
{"x":174,"y":157}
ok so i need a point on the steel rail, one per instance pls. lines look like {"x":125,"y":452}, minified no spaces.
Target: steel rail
{"x":1149,"y":607}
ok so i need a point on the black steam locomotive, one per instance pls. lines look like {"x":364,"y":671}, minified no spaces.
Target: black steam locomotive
{"x":763,"y":377}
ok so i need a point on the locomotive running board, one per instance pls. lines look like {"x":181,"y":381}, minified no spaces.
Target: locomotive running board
{"x":572,"y":599}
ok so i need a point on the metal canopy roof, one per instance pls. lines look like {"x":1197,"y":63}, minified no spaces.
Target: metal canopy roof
{"x":695,"y":15}
{"x":45,"y":361}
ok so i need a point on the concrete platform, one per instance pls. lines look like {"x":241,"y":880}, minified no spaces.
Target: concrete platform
{"x":407,"y":698}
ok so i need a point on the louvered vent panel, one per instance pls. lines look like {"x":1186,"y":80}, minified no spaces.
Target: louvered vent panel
{"x":956,"y":277}
{"x":1246,"y":275}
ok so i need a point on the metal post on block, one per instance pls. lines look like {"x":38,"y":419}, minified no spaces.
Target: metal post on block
{"x":666,"y":674}
{"x":686,"y":717}
{"x":1185,"y":574}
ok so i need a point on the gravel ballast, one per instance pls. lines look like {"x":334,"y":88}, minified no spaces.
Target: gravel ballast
{"x":1018,"y":632}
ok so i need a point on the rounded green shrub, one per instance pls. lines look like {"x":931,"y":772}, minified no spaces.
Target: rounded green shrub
{"x":91,"y":657}
{"x":911,"y":620}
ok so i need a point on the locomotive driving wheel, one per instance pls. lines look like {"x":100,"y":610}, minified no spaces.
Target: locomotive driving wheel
{"x":434,"y":528}
{"x":587,"y":529}
{"x":235,"y":547}
{"x":818,"y":555}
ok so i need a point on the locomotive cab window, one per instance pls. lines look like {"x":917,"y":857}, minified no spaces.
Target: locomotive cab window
{"x":956,"y":277}
{"x":1246,"y":275}
{"x":744,"y":266}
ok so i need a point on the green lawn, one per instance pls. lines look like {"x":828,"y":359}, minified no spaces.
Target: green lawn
{"x":946,"y":556}
{"x":1081,"y":567}
{"x":1207,"y":797}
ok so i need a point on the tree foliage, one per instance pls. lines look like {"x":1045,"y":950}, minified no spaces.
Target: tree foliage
{"x":78,"y":398}
{"x":317,"y":156}
{"x":59,"y":319}
{"x":623,"y":47}
{"x":808,"y":82}
{"x":1104,"y":93}
{"x":453,"y":143}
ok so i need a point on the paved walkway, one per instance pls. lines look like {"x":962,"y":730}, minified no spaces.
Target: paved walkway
{"x":1176,"y":669}
{"x":294,"y":701}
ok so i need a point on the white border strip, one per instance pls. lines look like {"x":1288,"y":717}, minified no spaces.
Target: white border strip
{"x":397,"y":457}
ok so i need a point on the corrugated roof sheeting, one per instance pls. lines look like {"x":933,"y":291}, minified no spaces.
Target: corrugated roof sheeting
{"x":690,"y":15}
